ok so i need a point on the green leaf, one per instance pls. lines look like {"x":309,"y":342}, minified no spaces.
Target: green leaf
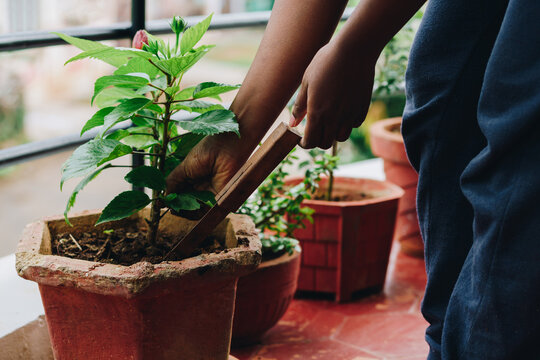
{"x":206,"y":197}
{"x":182,"y":202}
{"x":146,"y":176}
{"x":96,"y":119}
{"x":197,"y":106}
{"x":180,"y":64}
{"x":193,"y":34}
{"x":186,"y":142}
{"x":112,"y":96}
{"x":140,"y":142}
{"x":124,"y":111}
{"x":124,"y":205}
{"x":87,"y":157}
{"x":185,"y":94}
{"x":123,"y":81}
{"x":82,"y":44}
{"x":210,"y":89}
{"x":138,"y":65}
{"x":119,"y":151}
{"x":170,"y":164}
{"x":114,"y":56}
{"x":211,"y":123}
{"x":79,"y":187}
{"x":160,"y":82}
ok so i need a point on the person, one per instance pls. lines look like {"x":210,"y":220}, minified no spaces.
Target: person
{"x":471,"y":128}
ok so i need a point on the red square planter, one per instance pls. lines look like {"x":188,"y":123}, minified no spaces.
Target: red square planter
{"x":179,"y":310}
{"x":349,"y":247}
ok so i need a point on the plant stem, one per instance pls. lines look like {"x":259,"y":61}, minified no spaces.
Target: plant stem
{"x":330,"y":186}
{"x":159,"y":162}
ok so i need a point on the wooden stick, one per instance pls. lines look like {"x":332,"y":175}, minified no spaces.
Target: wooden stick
{"x":280,"y":142}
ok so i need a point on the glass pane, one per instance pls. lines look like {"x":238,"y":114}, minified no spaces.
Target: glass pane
{"x":33,"y":15}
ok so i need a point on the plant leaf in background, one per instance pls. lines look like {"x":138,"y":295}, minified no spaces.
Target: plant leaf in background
{"x":124,"y":205}
{"x":179,"y":202}
{"x":87,"y":157}
{"x":79,"y":187}
{"x":212,"y":123}
{"x":122,"y":81}
{"x":210,"y":89}
{"x":193,"y":34}
{"x":146,"y":176}
{"x":123,"y":111}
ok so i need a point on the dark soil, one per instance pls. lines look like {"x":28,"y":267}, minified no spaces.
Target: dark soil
{"x":346,"y":197}
{"x":122,"y":246}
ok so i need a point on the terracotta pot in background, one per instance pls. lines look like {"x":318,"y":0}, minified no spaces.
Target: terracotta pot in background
{"x":387,"y":143}
{"x":347,"y":247}
{"x":263,"y":296}
{"x":172,"y":310}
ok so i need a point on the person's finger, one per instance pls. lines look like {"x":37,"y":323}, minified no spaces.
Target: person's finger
{"x":328,"y":134}
{"x":190,"y":171}
{"x":344,"y":132}
{"x":313,"y":132}
{"x":300,"y":107}
{"x":177,"y":179}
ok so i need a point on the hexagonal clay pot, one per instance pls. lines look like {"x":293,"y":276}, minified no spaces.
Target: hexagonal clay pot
{"x":387,"y":143}
{"x":263,"y":297}
{"x":171,"y":310}
{"x":347,"y":247}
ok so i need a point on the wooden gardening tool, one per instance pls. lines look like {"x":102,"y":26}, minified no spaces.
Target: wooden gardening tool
{"x":276,"y":147}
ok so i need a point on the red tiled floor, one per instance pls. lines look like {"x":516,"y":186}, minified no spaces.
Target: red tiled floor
{"x":383,"y":326}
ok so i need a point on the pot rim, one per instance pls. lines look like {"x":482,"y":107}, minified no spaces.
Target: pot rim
{"x":395,"y":192}
{"x":380,"y":129}
{"x":129,"y":281}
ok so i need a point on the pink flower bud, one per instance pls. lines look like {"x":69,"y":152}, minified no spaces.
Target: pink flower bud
{"x":140,"y":39}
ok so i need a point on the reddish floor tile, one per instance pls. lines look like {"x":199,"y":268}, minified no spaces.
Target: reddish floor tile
{"x":382,"y":326}
{"x":388,"y":335}
{"x":313,"y":350}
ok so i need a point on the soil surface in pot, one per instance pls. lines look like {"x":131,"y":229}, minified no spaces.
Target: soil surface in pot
{"x":125,"y":246}
{"x":344,"y":195}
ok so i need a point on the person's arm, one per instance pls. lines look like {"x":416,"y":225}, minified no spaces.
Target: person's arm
{"x":295,"y":33}
{"x":337,"y":86}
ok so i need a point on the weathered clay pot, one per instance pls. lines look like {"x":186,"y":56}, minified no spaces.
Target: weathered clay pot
{"x":387,"y":143}
{"x":347,"y":247}
{"x":172,"y":310}
{"x":263,"y":296}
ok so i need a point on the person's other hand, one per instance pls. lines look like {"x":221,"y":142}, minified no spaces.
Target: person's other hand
{"x":335,"y":95}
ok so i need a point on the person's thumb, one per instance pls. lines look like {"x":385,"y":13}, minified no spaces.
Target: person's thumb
{"x":299,"y":109}
{"x":178,"y":179}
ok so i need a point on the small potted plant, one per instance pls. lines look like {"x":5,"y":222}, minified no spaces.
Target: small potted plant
{"x":347,"y":247}
{"x":264,"y":295}
{"x":105,"y":290}
{"x":387,"y":143}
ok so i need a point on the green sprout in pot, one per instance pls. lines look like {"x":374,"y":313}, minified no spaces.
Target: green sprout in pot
{"x":146,"y":88}
{"x":277,"y":212}
{"x":276,"y":207}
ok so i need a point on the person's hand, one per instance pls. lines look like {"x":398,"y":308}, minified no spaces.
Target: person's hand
{"x":208,"y":166}
{"x":335,"y":95}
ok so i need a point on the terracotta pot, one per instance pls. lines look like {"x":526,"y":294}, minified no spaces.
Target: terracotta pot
{"x":387,"y":143}
{"x":263,"y":296}
{"x":347,"y":247}
{"x":172,"y":310}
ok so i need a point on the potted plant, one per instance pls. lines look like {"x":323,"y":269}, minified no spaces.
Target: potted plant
{"x":105,"y":290}
{"x":346,"y":248}
{"x":387,"y":143}
{"x":264,"y":295}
